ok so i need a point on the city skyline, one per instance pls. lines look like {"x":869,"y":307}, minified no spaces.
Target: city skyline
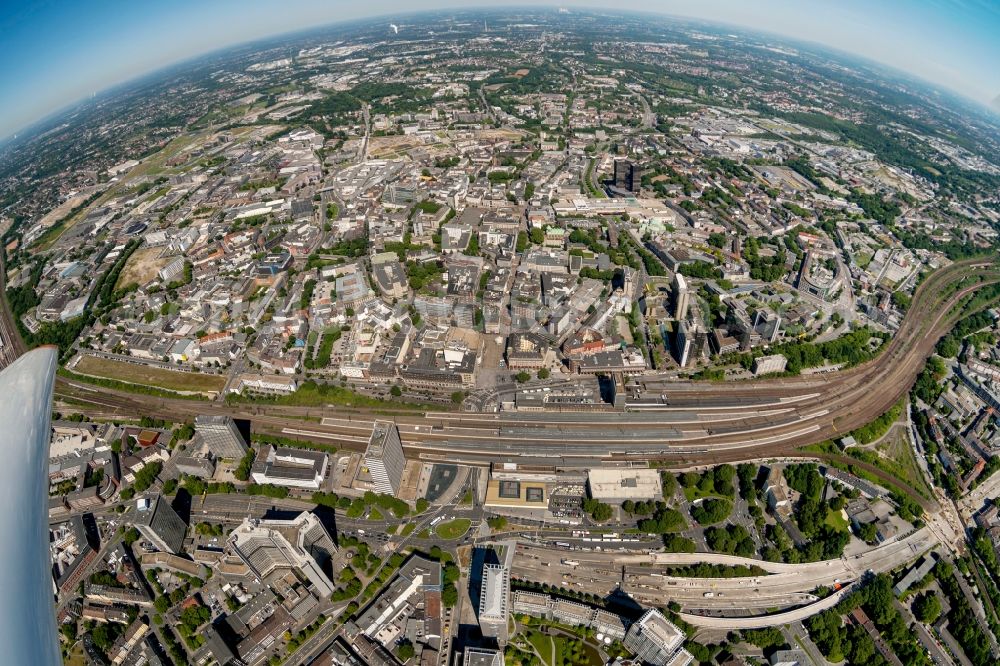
{"x":945,"y":42}
{"x":523,"y":338}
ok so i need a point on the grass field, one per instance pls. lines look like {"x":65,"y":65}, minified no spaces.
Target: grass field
{"x":544,"y":646}
{"x":695,"y":493}
{"x":836,"y":520}
{"x":899,"y":459}
{"x":408,"y":529}
{"x":893,"y":455}
{"x":76,"y":657}
{"x":311,"y":394}
{"x":141,"y":267}
{"x":453,"y":529}
{"x":135,"y":373}
{"x":559,"y":649}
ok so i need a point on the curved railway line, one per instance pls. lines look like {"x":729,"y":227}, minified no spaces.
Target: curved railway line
{"x":11,"y":344}
{"x":700,"y":423}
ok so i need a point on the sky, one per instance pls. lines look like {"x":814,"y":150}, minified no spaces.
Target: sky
{"x":56,"y":52}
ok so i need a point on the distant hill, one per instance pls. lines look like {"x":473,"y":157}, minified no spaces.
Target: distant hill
{"x":996,"y":103}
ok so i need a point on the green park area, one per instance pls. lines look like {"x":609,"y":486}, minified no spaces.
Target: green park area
{"x":453,"y":529}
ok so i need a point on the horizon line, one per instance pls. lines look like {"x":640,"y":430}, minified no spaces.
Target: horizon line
{"x":53,"y":115}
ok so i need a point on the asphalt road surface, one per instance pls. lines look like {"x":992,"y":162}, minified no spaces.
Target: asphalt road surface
{"x":644,"y":576}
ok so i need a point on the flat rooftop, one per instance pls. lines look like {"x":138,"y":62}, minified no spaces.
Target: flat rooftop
{"x":494,"y":601}
{"x":376,"y":443}
{"x":502,"y":492}
{"x":608,"y":482}
{"x":659,"y":628}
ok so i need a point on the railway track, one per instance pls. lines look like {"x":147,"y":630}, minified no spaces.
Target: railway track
{"x":11,"y":345}
{"x":741,"y":420}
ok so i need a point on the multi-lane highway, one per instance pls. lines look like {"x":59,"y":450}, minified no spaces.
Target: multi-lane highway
{"x":646,"y":577}
{"x":729,"y":623}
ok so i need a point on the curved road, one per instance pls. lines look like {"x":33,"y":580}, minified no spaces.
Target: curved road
{"x":645,"y":577}
{"x":763,"y":621}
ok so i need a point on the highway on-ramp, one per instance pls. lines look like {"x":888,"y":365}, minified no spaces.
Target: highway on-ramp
{"x":761,"y":621}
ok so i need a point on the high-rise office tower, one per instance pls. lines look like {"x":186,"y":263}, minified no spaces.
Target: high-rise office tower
{"x":621,"y":173}
{"x":685,"y":340}
{"x":222,"y":436}
{"x":158,"y":523}
{"x":628,"y":175}
{"x":634,"y":178}
{"x":494,"y":590}
{"x":682,"y":297}
{"x":384,"y":457}
{"x":494,"y":602}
